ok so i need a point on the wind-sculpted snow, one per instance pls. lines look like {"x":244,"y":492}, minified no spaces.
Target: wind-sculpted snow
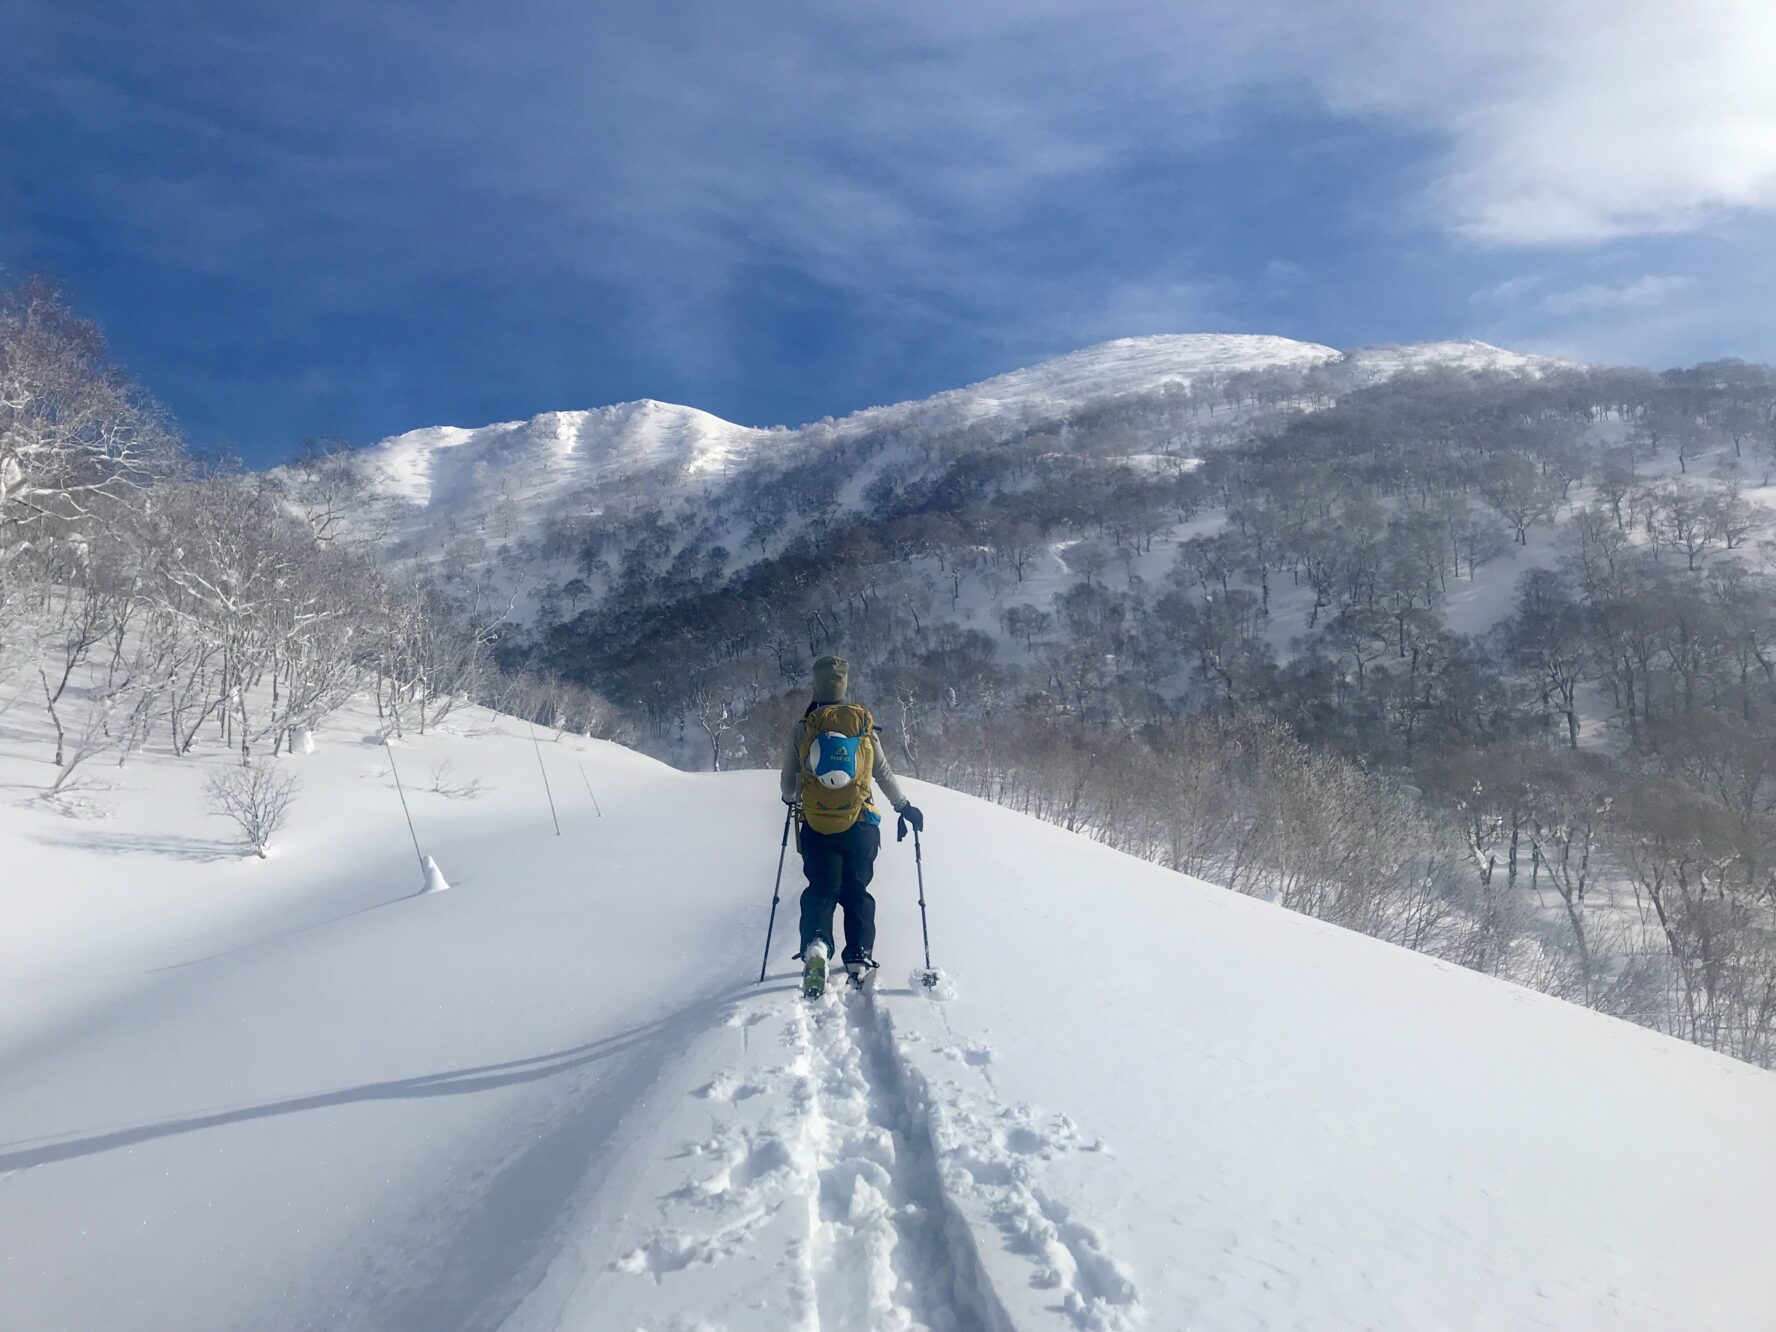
{"x":303,"y":1092}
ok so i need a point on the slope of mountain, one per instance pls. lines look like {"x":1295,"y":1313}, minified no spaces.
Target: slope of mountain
{"x":297,"y":1093}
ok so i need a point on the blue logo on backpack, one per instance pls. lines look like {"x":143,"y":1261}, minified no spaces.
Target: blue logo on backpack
{"x":833,"y":759}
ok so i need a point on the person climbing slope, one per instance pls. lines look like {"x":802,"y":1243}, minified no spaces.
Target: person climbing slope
{"x":834,"y":763}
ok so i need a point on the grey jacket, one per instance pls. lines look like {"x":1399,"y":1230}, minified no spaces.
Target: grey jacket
{"x":881,"y":775}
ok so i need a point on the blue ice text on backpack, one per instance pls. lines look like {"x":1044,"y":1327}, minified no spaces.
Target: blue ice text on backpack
{"x":833,"y":759}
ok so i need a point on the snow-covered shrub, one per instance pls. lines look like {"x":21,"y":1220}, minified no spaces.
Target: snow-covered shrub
{"x":257,"y":799}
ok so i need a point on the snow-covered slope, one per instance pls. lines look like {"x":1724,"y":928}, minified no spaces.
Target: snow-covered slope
{"x":503,"y":482}
{"x":296,"y":1094}
{"x":450,"y":466}
{"x":1145,"y":365}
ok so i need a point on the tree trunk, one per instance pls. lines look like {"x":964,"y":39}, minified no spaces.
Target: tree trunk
{"x":50,"y":700}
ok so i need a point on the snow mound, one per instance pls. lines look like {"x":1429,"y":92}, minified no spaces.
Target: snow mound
{"x":435,"y":882}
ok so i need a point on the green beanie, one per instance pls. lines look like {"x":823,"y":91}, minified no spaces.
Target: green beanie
{"x":831,"y":677}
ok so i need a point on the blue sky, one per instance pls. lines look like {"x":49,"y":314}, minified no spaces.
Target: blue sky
{"x":356,"y":219}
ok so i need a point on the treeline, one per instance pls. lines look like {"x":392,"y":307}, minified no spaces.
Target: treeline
{"x":152,"y":598}
{"x":1575,"y":797}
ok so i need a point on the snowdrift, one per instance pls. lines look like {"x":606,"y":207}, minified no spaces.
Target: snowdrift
{"x":303,"y":1093}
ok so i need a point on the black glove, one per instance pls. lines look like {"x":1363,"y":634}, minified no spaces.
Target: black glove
{"x":909,"y":814}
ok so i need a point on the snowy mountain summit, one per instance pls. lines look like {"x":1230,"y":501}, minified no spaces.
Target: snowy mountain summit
{"x":1107,"y":370}
{"x":450,"y":465}
{"x":458,"y":475}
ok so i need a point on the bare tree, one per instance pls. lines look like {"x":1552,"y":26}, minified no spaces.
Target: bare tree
{"x":1519,"y":492}
{"x":76,"y":437}
{"x":256,"y":800}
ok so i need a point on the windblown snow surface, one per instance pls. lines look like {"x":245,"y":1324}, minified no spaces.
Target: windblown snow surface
{"x":301,"y":1093}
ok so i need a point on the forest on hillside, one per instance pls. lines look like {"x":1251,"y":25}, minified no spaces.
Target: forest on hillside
{"x":156,"y":599}
{"x":1247,"y":669}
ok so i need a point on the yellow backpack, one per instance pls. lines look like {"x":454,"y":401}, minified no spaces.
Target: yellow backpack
{"x":827,"y":808}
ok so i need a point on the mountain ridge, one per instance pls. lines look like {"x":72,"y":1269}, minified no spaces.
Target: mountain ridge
{"x":627,"y":438}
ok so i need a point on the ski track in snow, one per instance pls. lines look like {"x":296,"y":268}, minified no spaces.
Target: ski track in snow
{"x":865,"y":1189}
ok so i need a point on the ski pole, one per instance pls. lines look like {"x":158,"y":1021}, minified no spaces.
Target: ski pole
{"x":554,"y":817}
{"x":402,"y":790}
{"x":930,"y":976}
{"x":588,"y":781}
{"x":776,"y":891}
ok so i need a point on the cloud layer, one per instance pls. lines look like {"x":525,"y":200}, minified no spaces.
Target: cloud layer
{"x":1572,"y":121}
{"x":735,"y":203}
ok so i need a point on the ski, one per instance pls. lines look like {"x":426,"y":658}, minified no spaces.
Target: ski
{"x":814,"y":974}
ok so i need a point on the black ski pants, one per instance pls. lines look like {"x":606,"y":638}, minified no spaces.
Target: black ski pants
{"x":839,"y":867}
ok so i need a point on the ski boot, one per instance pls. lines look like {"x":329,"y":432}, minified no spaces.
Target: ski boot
{"x":863,"y":971}
{"x":814,"y":970}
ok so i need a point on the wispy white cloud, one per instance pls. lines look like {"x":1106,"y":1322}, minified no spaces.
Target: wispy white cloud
{"x":1709,"y":296}
{"x":865,"y":144}
{"x":908,"y":162}
{"x":1282,"y":276}
{"x":1511,"y":290}
{"x":1133,"y":309}
{"x":1643,"y":293}
{"x":1566,"y":121}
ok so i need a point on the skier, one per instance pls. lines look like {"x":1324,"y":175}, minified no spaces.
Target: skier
{"x":835,"y":755}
